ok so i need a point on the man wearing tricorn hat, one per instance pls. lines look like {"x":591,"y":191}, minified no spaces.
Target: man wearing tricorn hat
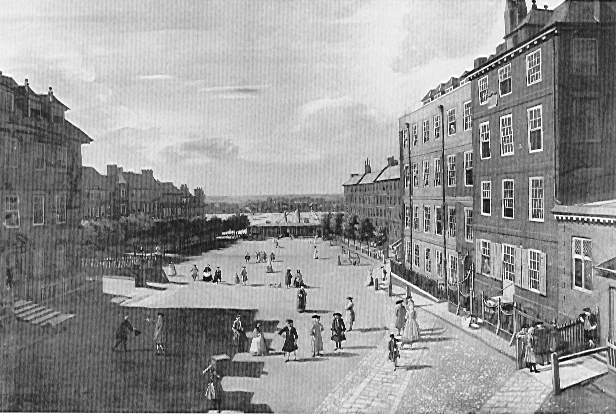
{"x":350,"y":313}
{"x":316,"y":337}
{"x":590,"y":327}
{"x":238,"y":333}
{"x":338,"y":330}
{"x":290,"y":340}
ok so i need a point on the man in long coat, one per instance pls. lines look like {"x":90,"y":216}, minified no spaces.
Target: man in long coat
{"x":400,"y":316}
{"x":122,"y":333}
{"x":338,"y":330}
{"x":316,"y":337}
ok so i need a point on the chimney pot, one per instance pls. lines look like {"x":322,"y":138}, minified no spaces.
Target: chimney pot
{"x":545,"y":6}
{"x":534,"y":4}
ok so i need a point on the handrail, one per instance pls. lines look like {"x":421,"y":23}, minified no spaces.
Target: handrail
{"x":582,"y":353}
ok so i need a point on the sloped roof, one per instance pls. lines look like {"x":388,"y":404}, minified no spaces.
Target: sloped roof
{"x":91,"y":178}
{"x":121,"y":179}
{"x":370,"y":177}
{"x":602,"y":209}
{"x":139,"y":180}
{"x":580,"y":11}
{"x":390,"y":173}
{"x":354,"y":180}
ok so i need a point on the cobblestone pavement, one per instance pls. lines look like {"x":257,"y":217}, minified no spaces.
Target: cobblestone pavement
{"x":521,"y":394}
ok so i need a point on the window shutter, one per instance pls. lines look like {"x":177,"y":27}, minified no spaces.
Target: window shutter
{"x":477,"y":256}
{"x":517,"y":270}
{"x":542,"y":274}
{"x":524,"y":277}
{"x":497,"y":260}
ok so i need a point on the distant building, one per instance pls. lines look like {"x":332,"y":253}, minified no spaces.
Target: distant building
{"x":96,"y":198}
{"x":285,"y":224}
{"x":41,"y":182}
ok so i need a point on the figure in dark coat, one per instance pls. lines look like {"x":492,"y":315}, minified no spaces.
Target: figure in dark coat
{"x":301,"y":300}
{"x":217,"y":275}
{"x":238,"y":334}
{"x":394,"y":352}
{"x":290,"y":340}
{"x":338,"y":330}
{"x":214,"y":389}
{"x":288,"y":278}
{"x":122,"y":333}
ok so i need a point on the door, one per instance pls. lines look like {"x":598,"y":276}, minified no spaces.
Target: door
{"x":612,"y":314}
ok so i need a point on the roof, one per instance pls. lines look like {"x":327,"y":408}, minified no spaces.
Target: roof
{"x":354,"y":179}
{"x":92,"y":178}
{"x":277,"y":219}
{"x":600,"y":212}
{"x":370,"y":177}
{"x":535,"y":17}
{"x":390,"y":173}
{"x":138,"y":180}
{"x":121,"y":179}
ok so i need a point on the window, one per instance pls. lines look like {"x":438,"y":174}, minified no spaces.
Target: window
{"x":426,"y":130}
{"x":122,"y":192}
{"x":508,"y":262}
{"x":34,"y":108}
{"x":451,"y":121}
{"x":451,"y":170}
{"x":508,"y":198}
{"x":415,"y":175}
{"x":416,"y":219}
{"x":428,"y":261}
{"x":534,"y":262}
{"x":486,"y":267}
{"x":407,"y":252}
{"x":62,"y":158}
{"x":426,"y":219}
{"x":506,"y":132}
{"x":533,"y":67}
{"x":416,"y":255}
{"x":504,"y":80}
{"x":483,"y":90}
{"x":468,"y":168}
{"x":11,"y":153}
{"x":486,"y":198}
{"x":453,"y":269}
{"x":452,"y":222}
{"x":535,"y":129}
{"x":438,"y":213}
{"x":437,"y":126}
{"x":39,"y":156}
{"x":407,"y":216}
{"x":415,"y":138}
{"x":536,"y":199}
{"x":60,"y":257}
{"x":585,"y":56}
{"x":438,"y":260}
{"x":438,"y":172}
{"x":7,"y":101}
{"x":405,"y":137}
{"x":61,"y":209}
{"x":467,"y":117}
{"x":426,"y":173}
{"x":407,"y":177}
{"x":484,"y":137}
{"x":582,"y":263}
{"x":38,"y":210}
{"x":468,"y":224}
{"x":11,"y":211}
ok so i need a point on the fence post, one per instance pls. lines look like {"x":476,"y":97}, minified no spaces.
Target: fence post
{"x":555,"y":374}
{"x":483,"y":308}
{"x":498,"y":316}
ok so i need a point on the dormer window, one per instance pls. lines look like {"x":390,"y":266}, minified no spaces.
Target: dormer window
{"x":57,"y":115}
{"x":7,"y":101}
{"x":449,"y":89}
{"x":34,"y":108}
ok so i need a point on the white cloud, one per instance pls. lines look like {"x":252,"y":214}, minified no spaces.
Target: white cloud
{"x":154,"y":77}
{"x":315,"y":106}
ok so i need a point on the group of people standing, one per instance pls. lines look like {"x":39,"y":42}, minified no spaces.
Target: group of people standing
{"x":207,"y":274}
{"x":261,"y":257}
{"x":407,"y":327}
{"x":242,"y":277}
{"x":296,"y":281}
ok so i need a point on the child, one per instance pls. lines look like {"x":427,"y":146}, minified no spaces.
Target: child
{"x":394,"y":352}
{"x":237,"y":279}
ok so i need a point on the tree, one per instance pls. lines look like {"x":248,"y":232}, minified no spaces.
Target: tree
{"x":350,"y":227}
{"x":380,"y":235}
{"x":366,"y":230}
{"x":326,"y":224}
{"x":338,"y":220}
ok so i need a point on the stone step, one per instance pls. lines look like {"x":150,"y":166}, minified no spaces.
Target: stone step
{"x":31,"y":311}
{"x":58,"y":319}
{"x":21,"y":303}
{"x":25,"y":308}
{"x":119,"y":299}
{"x":46,"y":317}
{"x":36,"y":315}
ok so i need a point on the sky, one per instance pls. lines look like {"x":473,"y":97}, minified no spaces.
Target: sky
{"x":244,"y":97}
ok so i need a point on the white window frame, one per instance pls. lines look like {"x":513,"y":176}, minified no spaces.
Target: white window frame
{"x":122,"y":192}
{"x":451,"y":120}
{"x":415,"y":175}
{"x":426,"y":130}
{"x":482,"y":87}
{"x":531,"y":199}
{"x":505,"y":198}
{"x":427,"y":218}
{"x":451,"y":171}
{"x":415,"y":135}
{"x":468,"y":224}
{"x":452,"y":221}
{"x":426,"y":173}
{"x":484,"y":136}
{"x":427,"y":260}
{"x":467,"y":116}
{"x":416,"y":254}
{"x":11,"y":205}
{"x":486,"y":193}
{"x":407,"y":216}
{"x":438,"y":260}
{"x":533,"y":73}
{"x":59,"y":199}
{"x":506,"y":134}
{"x":486,"y":251}
{"x":437,"y":210}
{"x":584,"y":258}
{"x":468,"y":165}
{"x":11,"y":153}
{"x":508,"y":251}
{"x":532,"y":126}
{"x":504,"y":74}
{"x":437,"y":126}
{"x":407,"y":177}
{"x":531,"y":270}
{"x":453,"y":269}
{"x":408,"y":252}
{"x":36,"y":197}
{"x":438,"y":172}
{"x":405,"y":137}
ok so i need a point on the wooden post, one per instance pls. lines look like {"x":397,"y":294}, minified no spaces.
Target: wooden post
{"x":498,"y":316}
{"x":555,"y":374}
{"x":483,"y":307}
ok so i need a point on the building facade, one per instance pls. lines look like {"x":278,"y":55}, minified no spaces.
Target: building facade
{"x":41,"y":191}
{"x":436,"y":149}
{"x":538,"y":136}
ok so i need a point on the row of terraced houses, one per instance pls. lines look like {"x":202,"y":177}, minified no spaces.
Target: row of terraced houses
{"x":507,"y":183}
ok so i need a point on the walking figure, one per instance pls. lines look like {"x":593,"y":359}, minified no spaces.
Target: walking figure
{"x":315,"y":254}
{"x":394,"y":352}
{"x":384,"y":273}
{"x":207,"y":273}
{"x":290,"y":340}
{"x":272,"y":257}
{"x":400,"y":316}
{"x":237,"y":279}
{"x":298,"y":281}
{"x":122,"y":333}
{"x":411,"y":328}
{"x":301,"y":300}
{"x":316,"y":336}
{"x":158,"y":335}
{"x":338,"y":330}
{"x":529,"y":350}
{"x":238,"y":333}
{"x":288,"y":278}
{"x":172,"y":271}
{"x":350,"y":313}
{"x":194,"y":272}
{"x":214,"y":389}
{"x":247,"y":257}
{"x":217,"y":275}
{"x":257,"y":345}
{"x":244,"y":274}
{"x":258,"y":257}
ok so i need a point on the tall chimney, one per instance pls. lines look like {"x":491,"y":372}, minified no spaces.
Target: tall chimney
{"x":515,"y":12}
{"x":367,"y":168}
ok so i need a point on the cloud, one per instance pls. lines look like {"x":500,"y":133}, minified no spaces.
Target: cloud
{"x":312,"y":107}
{"x":154,"y":77}
{"x":235,"y":92}
{"x":211,"y":148}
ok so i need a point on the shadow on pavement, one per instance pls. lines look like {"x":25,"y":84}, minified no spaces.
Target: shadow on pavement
{"x":247,"y":369}
{"x":375,"y":329}
{"x":340,"y":354}
{"x":360,"y":347}
{"x":436,"y":339}
{"x":415,"y":367}
{"x":316,"y":311}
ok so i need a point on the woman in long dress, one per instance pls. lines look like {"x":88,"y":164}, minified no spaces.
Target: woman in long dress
{"x":316,"y":336}
{"x":369,"y":281}
{"x":214,"y":389}
{"x":257,"y":345}
{"x":400,"y":316}
{"x":529,"y":350}
{"x":301,"y":300}
{"x":158,"y":335}
{"x":350,"y":313}
{"x":172,"y":271}
{"x":338,"y":330}
{"x":411,"y":328}
{"x":315,"y":254}
{"x":290,"y":340}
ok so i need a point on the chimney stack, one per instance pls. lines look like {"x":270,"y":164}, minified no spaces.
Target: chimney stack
{"x":367,"y":168}
{"x":515,"y":12}
{"x":50,"y":94}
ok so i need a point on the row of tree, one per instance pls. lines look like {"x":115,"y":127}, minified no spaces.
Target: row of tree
{"x":351,"y":227}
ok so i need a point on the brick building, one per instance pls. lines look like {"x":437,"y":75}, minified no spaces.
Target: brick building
{"x":437,"y":162}
{"x":96,"y":199}
{"x":40,"y":192}
{"x":542,"y":110}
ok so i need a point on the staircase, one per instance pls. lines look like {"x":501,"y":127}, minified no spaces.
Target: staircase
{"x":35,"y":314}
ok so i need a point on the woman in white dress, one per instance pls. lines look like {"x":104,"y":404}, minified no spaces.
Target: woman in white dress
{"x":257,"y":346}
{"x":411,"y":327}
{"x":369,"y":281}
